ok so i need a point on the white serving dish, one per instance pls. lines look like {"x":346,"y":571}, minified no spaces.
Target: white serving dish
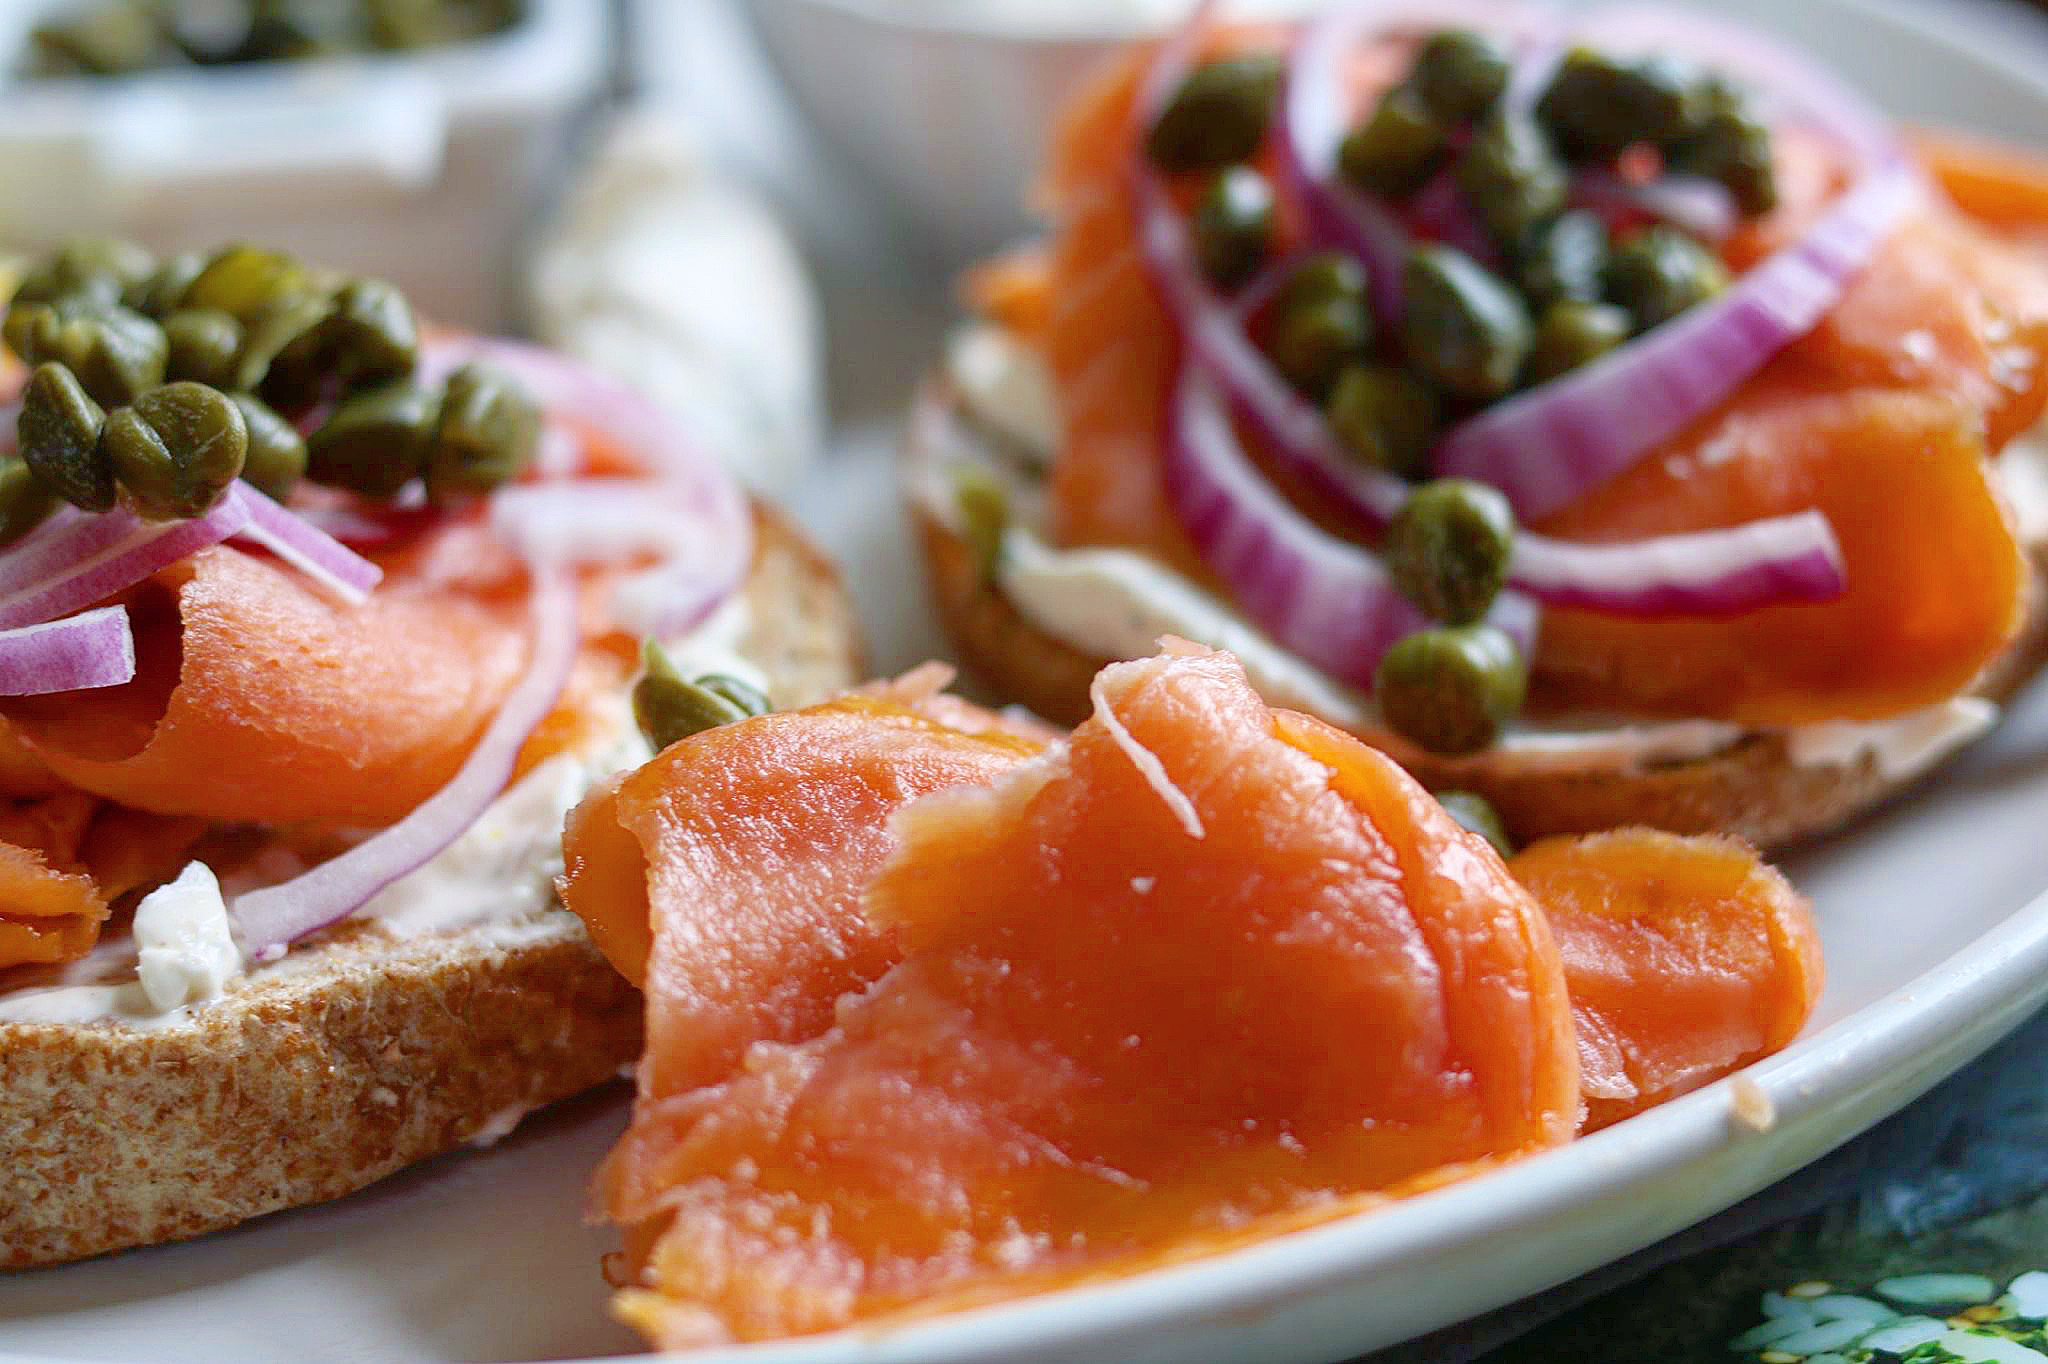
{"x":1934,"y":916}
{"x":420,"y":168}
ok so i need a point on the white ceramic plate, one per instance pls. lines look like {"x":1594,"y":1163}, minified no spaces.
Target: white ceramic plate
{"x":1936,"y":932}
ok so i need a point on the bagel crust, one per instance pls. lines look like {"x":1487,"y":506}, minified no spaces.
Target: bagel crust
{"x":1752,"y":789}
{"x":373,"y":1052}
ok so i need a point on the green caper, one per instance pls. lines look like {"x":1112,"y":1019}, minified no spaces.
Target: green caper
{"x":176,"y":450}
{"x":1597,"y":105}
{"x":1218,"y":115}
{"x":1452,"y":689}
{"x":1385,"y":417}
{"x":1572,"y":334}
{"x":1563,"y":258}
{"x":1232,"y":222}
{"x":247,"y":282}
{"x":24,"y":499}
{"x":1447,"y":548}
{"x":98,"y":268}
{"x":376,"y":441}
{"x":1476,"y":815}
{"x":1324,"y":274}
{"x":487,"y":434}
{"x":162,"y":291}
{"x":277,"y":452}
{"x":103,"y":40}
{"x":1460,"y":74}
{"x":114,"y":352}
{"x":203,"y":345}
{"x":668,"y":707}
{"x":737,"y":690}
{"x":1732,"y":146}
{"x":1463,"y":327}
{"x":279,"y":355}
{"x":372,"y":335}
{"x":1312,"y":341}
{"x":1395,"y":151}
{"x":984,"y":513}
{"x":1511,"y":176}
{"x":1659,"y":272}
{"x":60,"y":431}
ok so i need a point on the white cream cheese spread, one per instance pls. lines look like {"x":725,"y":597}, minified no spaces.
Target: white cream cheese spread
{"x":185,"y":950}
{"x":1115,"y":604}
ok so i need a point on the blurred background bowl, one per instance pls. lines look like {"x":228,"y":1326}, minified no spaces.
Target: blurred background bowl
{"x":420,"y":167}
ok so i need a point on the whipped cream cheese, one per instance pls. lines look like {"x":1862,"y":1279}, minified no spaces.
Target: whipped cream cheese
{"x":1116,"y":603}
{"x":499,"y":875}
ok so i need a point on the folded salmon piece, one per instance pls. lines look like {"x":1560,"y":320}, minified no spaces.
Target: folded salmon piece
{"x":1178,"y":984}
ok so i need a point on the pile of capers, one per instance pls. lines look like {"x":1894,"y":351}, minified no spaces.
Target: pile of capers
{"x":120,"y":37}
{"x":157,"y":384}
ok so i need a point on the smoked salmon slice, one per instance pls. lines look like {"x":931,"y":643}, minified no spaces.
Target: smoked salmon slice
{"x":1686,"y":958}
{"x":1204,"y":973}
{"x":1884,"y":417}
{"x":725,"y":877}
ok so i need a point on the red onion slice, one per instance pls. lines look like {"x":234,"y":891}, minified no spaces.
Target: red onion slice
{"x":306,"y":547}
{"x":1553,"y":444}
{"x":269,"y":920}
{"x":690,"y":487}
{"x":1326,"y":599}
{"x":68,"y":536}
{"x":93,"y":649}
{"x":1780,"y":560}
{"x":1690,"y":203}
{"x":140,"y":549}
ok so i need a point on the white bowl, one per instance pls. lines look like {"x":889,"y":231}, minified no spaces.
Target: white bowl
{"x":421,"y":168}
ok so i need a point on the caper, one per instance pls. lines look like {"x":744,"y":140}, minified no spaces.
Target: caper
{"x":1217,"y":116}
{"x":279,"y":350}
{"x":98,"y":268}
{"x":486,"y":435}
{"x":1324,"y":274}
{"x":25,"y":500}
{"x":1597,"y":105}
{"x":162,"y":291}
{"x":1511,"y":176}
{"x":1475,"y":814}
{"x":1563,"y":258}
{"x":1659,"y":272}
{"x":1232,"y":223}
{"x":1463,"y":328}
{"x":984,"y":513}
{"x":277,"y":452}
{"x":1385,"y":417}
{"x":175,"y":450}
{"x":114,"y":352}
{"x":1395,"y":151}
{"x":372,"y":335}
{"x":737,"y":690}
{"x":103,"y":40}
{"x":1447,"y":548}
{"x":1460,"y":74}
{"x":203,"y":345}
{"x":376,"y":441}
{"x":668,"y":707}
{"x":1453,"y":689}
{"x":247,"y":282}
{"x":60,"y":431}
{"x":1312,"y":341}
{"x":1731,"y":146}
{"x":1572,"y":334}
